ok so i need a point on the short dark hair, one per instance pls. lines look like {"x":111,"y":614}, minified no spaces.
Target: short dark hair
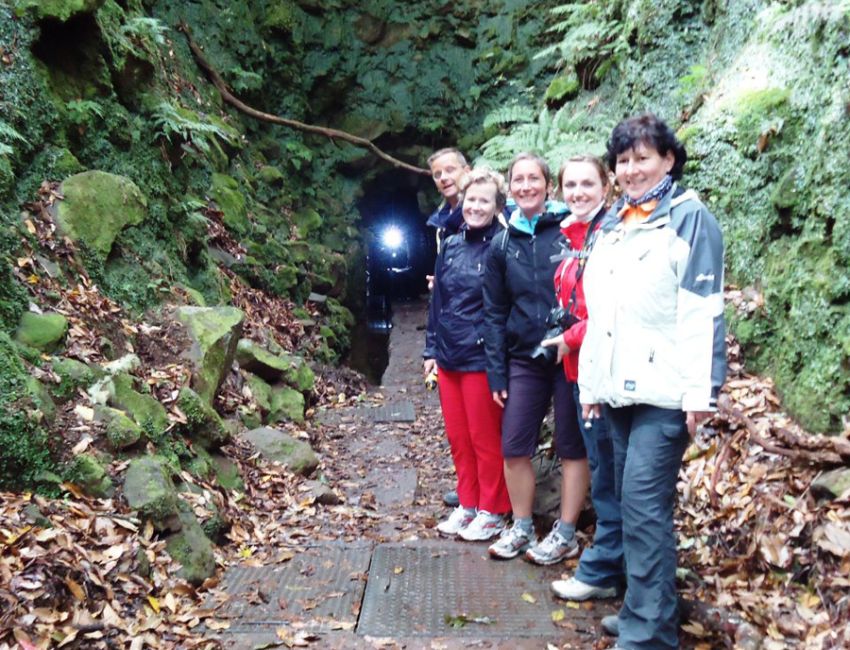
{"x":651,"y":131}
{"x":442,"y":152}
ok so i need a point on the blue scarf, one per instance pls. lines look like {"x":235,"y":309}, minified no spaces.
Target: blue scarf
{"x":654,"y":194}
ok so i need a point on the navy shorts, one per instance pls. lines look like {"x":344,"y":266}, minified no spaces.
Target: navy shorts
{"x":532,"y":385}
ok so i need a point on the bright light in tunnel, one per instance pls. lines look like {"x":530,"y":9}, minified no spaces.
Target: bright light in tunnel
{"x":392,"y":237}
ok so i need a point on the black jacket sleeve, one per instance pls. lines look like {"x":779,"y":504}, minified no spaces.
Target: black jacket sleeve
{"x":497,"y":307}
{"x":430,"y":351}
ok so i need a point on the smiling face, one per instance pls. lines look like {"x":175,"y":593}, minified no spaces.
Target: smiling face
{"x":641,"y":168}
{"x":528,"y":187}
{"x":583,"y":188}
{"x":447,"y":171}
{"x":479,"y":204}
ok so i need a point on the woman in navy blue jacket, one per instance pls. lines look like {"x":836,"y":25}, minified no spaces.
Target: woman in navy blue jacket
{"x":455,"y":345}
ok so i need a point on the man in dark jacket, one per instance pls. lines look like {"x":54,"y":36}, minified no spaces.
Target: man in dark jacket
{"x":447,"y":167}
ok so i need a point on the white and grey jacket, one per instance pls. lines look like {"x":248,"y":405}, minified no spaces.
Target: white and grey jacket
{"x":654,"y":290}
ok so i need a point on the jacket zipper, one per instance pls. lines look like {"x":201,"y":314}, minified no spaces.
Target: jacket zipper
{"x":534,"y":269}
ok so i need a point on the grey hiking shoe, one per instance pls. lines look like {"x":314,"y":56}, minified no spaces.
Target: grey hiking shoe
{"x":451,"y":499}
{"x":513,"y":541}
{"x":553,"y":549}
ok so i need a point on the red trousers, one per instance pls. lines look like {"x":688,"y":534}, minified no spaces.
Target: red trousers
{"x":474,"y":429}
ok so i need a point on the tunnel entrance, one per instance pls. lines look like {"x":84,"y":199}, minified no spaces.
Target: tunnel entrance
{"x":400,"y":252}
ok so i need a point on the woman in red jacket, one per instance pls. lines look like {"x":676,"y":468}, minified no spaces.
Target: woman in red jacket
{"x":585,"y":187}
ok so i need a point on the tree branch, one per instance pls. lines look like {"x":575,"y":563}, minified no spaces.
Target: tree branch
{"x":333,"y":134}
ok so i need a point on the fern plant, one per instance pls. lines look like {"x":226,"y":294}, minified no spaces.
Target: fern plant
{"x":9,"y":135}
{"x":82,"y":110}
{"x":554,"y":135}
{"x":593,"y":38}
{"x":181,"y":126}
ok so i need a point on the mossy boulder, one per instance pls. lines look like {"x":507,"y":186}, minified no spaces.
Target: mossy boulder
{"x":294,"y":454}
{"x":227,"y":473}
{"x":96,"y":207}
{"x":72,"y":374}
{"x":563,"y":87}
{"x":145,"y":410}
{"x":286,"y":404}
{"x":90,"y":475}
{"x":260,"y":390}
{"x":225,"y":192}
{"x":201,"y":464}
{"x":149,"y":489}
{"x":301,"y":376}
{"x":192,"y":549}
{"x":254,"y":358}
{"x":46,"y":408}
{"x":215,"y":332}
{"x":121,"y":431}
{"x":307,"y":221}
{"x":204,"y":424}
{"x":274,"y":367}
{"x":271,"y":175}
{"x":41,"y":331}
{"x":59,"y":9}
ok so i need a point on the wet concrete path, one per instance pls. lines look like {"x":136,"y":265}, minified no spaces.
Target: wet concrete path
{"x":397,"y":585}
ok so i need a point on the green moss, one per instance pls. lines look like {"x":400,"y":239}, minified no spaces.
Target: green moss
{"x":145,"y":410}
{"x":41,"y":331}
{"x":89,"y":473}
{"x":46,"y":409}
{"x":73,"y":374}
{"x":191,"y":549}
{"x":754,"y":111}
{"x":563,"y":87}
{"x":59,"y":9}
{"x":203,"y":423}
{"x":216,"y":331}
{"x":148,"y":488}
{"x":231,"y":202}
{"x":121,"y":431}
{"x":97,"y":206}
{"x":286,"y":404}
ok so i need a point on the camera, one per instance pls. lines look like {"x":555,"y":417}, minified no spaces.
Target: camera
{"x":558,"y":321}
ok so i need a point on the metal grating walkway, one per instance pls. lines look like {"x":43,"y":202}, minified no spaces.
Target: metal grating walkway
{"x":438,"y":589}
{"x":319,"y":589}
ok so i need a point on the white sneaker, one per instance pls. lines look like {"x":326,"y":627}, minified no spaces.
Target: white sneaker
{"x":485,"y":526}
{"x":457,"y":521}
{"x":512,"y":542}
{"x":574,"y":589}
{"x":554,"y":548}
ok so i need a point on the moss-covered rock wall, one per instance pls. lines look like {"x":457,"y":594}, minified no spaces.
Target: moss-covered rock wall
{"x":759,"y":92}
{"x":757,"y":88}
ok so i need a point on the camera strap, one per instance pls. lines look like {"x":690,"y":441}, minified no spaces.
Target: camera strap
{"x":582,"y":255}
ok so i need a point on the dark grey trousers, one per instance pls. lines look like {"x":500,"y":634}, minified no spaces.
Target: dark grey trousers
{"x":649,"y":443}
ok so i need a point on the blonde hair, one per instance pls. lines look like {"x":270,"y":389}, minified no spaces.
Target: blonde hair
{"x":482,"y":175}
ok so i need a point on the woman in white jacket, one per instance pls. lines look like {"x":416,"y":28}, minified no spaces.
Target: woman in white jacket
{"x":653,"y":357}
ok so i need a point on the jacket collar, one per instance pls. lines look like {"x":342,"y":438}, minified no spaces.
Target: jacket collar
{"x":660,"y":215}
{"x":446,"y":217}
{"x":481,"y":234}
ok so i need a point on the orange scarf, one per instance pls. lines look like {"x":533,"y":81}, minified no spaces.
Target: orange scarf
{"x":632,"y":214}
